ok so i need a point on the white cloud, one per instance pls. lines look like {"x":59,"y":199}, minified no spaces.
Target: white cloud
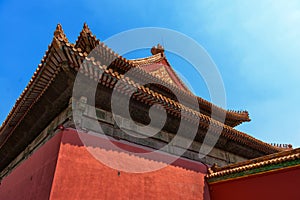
{"x":264,"y":35}
{"x":256,"y":46}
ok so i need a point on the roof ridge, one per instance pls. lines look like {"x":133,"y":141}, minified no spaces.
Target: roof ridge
{"x":271,"y":159}
{"x":178,"y":78}
{"x":259,"y":159}
{"x":86,"y":40}
{"x":86,"y":28}
{"x":158,"y":57}
{"x":238,"y":115}
{"x":185,"y":93}
{"x":229,"y":132}
{"x":59,"y":33}
{"x":57,"y":39}
{"x":155,"y":56}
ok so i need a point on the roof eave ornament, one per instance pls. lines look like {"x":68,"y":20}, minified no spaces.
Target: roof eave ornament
{"x":59,"y":33}
{"x":157,"y":49}
{"x":86,"y":28}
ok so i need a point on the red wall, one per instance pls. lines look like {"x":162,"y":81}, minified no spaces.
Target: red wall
{"x":32,"y":179}
{"x":78,"y":175}
{"x":281,"y":185}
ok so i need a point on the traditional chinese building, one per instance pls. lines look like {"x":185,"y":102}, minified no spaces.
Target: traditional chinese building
{"x":42,"y":154}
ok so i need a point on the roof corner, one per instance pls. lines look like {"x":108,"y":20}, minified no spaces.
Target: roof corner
{"x":59,"y":33}
{"x":157,"y":49}
{"x":86,"y":40}
{"x":86,"y":28}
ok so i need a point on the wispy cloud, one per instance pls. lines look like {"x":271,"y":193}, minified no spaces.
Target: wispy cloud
{"x":265,"y":35}
{"x":256,"y":47}
{"x":254,"y":43}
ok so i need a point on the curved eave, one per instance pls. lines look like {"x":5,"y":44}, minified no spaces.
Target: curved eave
{"x":272,"y":162}
{"x":233,"y":118}
{"x":174,"y":108}
{"x":60,"y":51}
{"x":38,"y":84}
{"x":87,"y":41}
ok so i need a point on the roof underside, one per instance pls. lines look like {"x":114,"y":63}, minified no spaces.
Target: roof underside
{"x":51,"y":88}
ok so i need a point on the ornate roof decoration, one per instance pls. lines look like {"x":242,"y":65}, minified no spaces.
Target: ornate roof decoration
{"x":158,"y":65}
{"x":272,"y":162}
{"x":60,"y":52}
{"x":86,"y":40}
{"x":86,"y":29}
{"x":282,"y":146}
{"x":39,"y":82}
{"x":150,"y":97}
{"x":157,"y":49}
{"x":156,"y":61}
{"x":59,"y":33}
{"x":156,"y":58}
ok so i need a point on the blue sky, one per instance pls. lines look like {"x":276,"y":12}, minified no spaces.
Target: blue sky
{"x":255,"y":45}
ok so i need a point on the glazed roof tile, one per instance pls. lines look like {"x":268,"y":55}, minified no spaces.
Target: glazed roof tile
{"x":174,"y":107}
{"x":61,"y":50}
{"x":272,"y":159}
{"x":143,"y":63}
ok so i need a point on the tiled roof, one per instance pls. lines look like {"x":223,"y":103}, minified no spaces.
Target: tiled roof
{"x":276,"y":161}
{"x":150,"y":97}
{"x":284,"y":147}
{"x":38,"y":84}
{"x":86,"y":40}
{"x":61,"y":51}
{"x":156,"y":58}
{"x":158,"y":66}
{"x":148,"y":63}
